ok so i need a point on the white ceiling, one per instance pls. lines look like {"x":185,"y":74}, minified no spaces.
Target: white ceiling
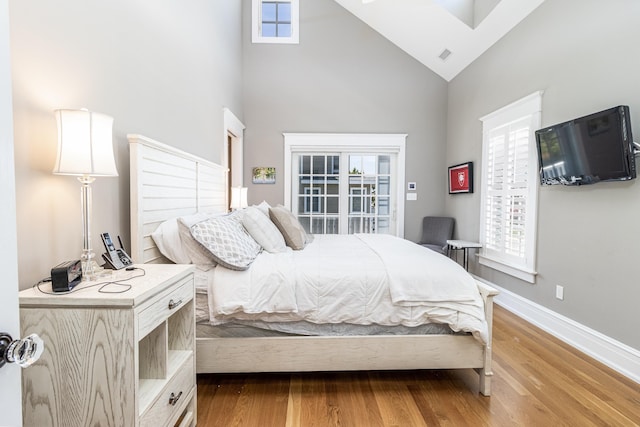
{"x":425,"y":28}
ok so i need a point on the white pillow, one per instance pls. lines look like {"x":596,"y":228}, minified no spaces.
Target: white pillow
{"x":196,"y":253}
{"x":264,"y":208}
{"x":167,"y":239}
{"x":177,"y":244}
{"x":226,"y":241}
{"x":263,"y":230}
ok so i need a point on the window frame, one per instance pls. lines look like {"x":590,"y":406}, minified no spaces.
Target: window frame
{"x":521,"y":267}
{"x":357,"y":194}
{"x":315,"y":201}
{"x":256,"y":27}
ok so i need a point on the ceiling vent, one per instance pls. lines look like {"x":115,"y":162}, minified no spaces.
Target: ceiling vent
{"x":445,"y":54}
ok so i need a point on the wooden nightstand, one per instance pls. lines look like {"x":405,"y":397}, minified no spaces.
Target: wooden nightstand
{"x":113,"y":359}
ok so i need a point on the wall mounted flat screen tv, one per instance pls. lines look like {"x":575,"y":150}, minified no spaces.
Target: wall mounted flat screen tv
{"x":589,"y":149}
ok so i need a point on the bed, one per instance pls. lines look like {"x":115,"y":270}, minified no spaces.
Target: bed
{"x":167,"y":183}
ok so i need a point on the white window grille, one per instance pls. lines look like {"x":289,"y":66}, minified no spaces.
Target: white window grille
{"x":275,"y":21}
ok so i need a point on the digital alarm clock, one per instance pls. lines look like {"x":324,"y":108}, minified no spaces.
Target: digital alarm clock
{"x":66,"y":276}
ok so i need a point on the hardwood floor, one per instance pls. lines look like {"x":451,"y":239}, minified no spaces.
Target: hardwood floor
{"x":538,"y":381}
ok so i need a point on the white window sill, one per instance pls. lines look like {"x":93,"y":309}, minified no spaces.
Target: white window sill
{"x":510,"y":269}
{"x":275,"y":40}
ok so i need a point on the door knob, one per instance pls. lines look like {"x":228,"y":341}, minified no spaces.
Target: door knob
{"x":24,"y":351}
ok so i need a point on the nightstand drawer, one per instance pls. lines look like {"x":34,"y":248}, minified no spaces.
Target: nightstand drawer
{"x":172,"y":398}
{"x":165,"y":306}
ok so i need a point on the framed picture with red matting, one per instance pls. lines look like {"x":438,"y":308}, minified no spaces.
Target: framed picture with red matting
{"x":461,"y":178}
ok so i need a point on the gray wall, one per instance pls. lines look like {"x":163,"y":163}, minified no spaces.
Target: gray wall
{"x":343,"y":77}
{"x":164,"y":69}
{"x":584,"y":54}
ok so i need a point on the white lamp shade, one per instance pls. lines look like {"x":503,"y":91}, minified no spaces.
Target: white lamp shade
{"x":238,"y":197}
{"x":85,"y":144}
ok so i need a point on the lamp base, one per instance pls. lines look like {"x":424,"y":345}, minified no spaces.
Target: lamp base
{"x":90,"y":268}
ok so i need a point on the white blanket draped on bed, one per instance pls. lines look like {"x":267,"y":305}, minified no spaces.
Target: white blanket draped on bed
{"x":361,"y":279}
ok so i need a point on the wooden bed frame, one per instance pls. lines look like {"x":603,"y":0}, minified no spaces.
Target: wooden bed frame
{"x":167,"y":183}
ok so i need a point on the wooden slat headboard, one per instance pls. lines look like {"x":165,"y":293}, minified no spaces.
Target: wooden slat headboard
{"x":168,"y":183}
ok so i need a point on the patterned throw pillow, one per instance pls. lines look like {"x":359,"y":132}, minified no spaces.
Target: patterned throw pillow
{"x":227,"y":242}
{"x":196,"y":252}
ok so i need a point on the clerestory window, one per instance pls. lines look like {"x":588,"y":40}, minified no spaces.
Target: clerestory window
{"x":275,"y":21}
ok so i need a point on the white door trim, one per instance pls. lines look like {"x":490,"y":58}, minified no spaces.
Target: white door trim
{"x":235,"y":128}
{"x":10,"y":375}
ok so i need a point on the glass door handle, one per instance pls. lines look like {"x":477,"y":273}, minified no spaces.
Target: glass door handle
{"x":24,"y":351}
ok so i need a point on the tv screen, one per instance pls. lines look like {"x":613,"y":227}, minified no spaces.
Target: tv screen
{"x":586,"y":150}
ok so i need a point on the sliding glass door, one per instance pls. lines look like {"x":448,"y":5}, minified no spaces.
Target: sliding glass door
{"x":317,"y":197}
{"x":370,"y":197}
{"x":346,"y":189}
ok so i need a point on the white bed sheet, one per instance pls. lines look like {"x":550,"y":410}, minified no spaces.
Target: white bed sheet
{"x":252,"y":328}
{"x":343,"y":279}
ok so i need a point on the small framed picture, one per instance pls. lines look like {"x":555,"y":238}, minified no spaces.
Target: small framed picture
{"x":411,"y":186}
{"x":461,"y":178}
{"x":263,"y":175}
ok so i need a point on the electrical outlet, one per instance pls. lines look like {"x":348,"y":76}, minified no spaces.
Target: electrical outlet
{"x":560,"y":292}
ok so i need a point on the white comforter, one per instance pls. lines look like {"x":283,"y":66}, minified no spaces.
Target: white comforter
{"x":361,"y":279}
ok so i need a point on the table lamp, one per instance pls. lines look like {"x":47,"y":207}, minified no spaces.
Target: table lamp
{"x":238,"y":198}
{"x":85,"y":150}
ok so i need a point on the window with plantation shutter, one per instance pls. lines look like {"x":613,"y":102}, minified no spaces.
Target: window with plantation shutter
{"x":510,"y":188}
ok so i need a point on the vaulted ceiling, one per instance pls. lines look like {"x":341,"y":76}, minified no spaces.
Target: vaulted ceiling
{"x":444,"y":35}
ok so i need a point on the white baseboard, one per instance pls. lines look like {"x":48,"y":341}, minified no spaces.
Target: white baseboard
{"x":612,"y":353}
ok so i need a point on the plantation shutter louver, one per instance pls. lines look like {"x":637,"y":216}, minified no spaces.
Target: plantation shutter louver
{"x":506,"y":200}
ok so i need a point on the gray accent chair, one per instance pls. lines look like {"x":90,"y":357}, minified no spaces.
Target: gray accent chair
{"x":436,"y":230}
